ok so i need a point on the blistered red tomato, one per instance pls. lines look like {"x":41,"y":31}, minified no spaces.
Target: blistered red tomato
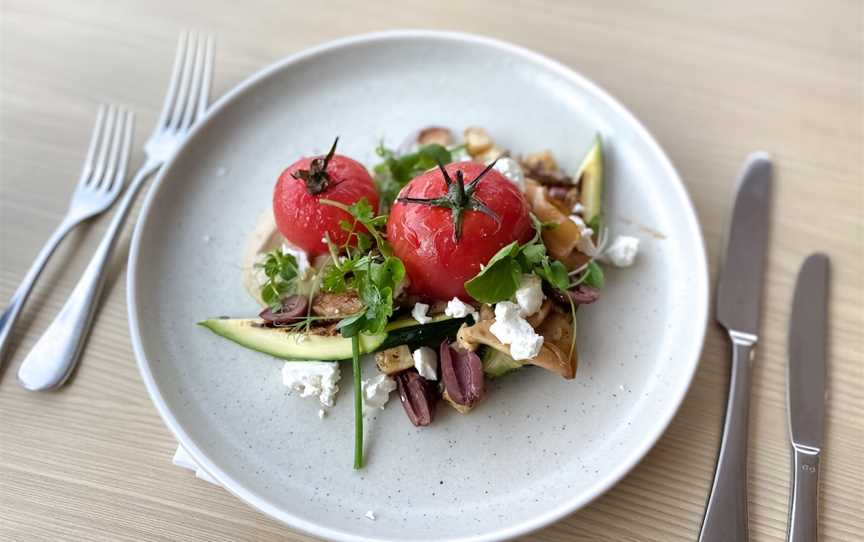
{"x":423,"y":235}
{"x":301,"y":217}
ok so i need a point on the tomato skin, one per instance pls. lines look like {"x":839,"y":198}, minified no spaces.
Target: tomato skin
{"x":303,"y":220}
{"x":422,"y":235}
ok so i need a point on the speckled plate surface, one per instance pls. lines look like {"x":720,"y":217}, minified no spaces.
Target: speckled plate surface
{"x":539,"y":447}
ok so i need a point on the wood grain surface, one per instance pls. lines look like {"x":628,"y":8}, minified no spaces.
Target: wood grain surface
{"x":712,"y":80}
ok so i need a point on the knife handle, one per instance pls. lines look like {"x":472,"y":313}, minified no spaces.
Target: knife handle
{"x":805,"y":495}
{"x":726,"y":512}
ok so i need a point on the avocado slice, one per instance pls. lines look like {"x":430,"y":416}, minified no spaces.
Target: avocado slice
{"x":496,"y":363}
{"x":591,"y":182}
{"x":291,"y":345}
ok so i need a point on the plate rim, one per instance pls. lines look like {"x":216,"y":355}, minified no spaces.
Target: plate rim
{"x":539,"y":521}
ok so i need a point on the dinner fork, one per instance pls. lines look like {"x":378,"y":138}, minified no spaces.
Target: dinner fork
{"x":100,"y":183}
{"x":53,"y":357}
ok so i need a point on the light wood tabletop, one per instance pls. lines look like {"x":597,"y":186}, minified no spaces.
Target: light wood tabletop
{"x":712,"y":81}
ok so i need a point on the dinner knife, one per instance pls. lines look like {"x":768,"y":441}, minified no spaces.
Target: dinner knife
{"x":805,"y":389}
{"x":739,"y":299}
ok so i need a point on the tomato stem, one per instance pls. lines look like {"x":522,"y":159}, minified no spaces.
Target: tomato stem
{"x":316,"y":177}
{"x":459,"y":198}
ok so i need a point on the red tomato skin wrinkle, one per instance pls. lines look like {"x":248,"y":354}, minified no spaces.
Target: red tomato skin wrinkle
{"x":422,"y":235}
{"x":303,"y":220}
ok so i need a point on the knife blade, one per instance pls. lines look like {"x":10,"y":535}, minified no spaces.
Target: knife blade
{"x":805,"y":394}
{"x":807,"y":343}
{"x":739,"y":289}
{"x":739,"y":298}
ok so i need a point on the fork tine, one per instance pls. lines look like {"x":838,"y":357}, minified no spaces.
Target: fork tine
{"x":190,"y":109}
{"x":104,"y":183}
{"x":185,"y":80}
{"x":173,"y":85}
{"x":91,"y":149}
{"x":99,"y":170}
{"x":126,"y":147}
{"x":206,"y":79}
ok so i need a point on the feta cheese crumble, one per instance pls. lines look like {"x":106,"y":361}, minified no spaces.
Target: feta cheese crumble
{"x":419,"y":313}
{"x":376,"y":391}
{"x":313,"y":379}
{"x":299,"y":255}
{"x":622,"y":251}
{"x":529,"y":295}
{"x":426,"y":362}
{"x":511,"y":169}
{"x":585,"y":243}
{"x":459,"y":309}
{"x":370,"y":515}
{"x":577,"y":208}
{"x":511,"y":329}
{"x":322,"y":413}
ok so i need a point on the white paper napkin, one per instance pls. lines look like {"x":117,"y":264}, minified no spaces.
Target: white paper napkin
{"x":183,"y":459}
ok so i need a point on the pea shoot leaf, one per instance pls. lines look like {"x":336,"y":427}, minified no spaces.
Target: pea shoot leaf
{"x":395,"y":171}
{"x":282,"y":272}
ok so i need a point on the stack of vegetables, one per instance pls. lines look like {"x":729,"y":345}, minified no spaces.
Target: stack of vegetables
{"x":451,"y":262}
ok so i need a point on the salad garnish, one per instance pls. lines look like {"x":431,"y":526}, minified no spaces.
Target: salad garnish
{"x":447,"y":281}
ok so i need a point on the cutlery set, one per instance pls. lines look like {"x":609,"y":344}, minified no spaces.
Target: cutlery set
{"x":54,"y":355}
{"x":739,"y":294}
{"x":739,"y":300}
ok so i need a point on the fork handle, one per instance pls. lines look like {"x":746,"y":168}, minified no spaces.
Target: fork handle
{"x":53,"y":357}
{"x":726,"y":513}
{"x":10,"y":315}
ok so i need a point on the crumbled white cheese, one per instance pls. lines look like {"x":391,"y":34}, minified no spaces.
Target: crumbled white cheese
{"x":583,"y":228}
{"x":376,"y":391}
{"x":322,"y":413}
{"x":313,"y":379}
{"x":426,"y":362}
{"x":370,"y":515}
{"x":512,"y":329}
{"x":299,"y":255}
{"x":459,"y":309}
{"x":577,"y":208}
{"x":419,"y":313}
{"x":529,"y":295}
{"x":622,"y":251}
{"x":585,"y":244}
{"x":511,"y":169}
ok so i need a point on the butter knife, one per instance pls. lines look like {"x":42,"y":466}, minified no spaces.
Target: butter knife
{"x":739,"y":299}
{"x":805,"y":388}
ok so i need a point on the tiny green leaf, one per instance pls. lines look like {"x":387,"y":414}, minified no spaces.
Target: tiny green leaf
{"x":500,"y":279}
{"x":555,"y":273}
{"x":594,"y":275}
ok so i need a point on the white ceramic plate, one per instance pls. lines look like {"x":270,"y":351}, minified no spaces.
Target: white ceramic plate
{"x":539,"y":447}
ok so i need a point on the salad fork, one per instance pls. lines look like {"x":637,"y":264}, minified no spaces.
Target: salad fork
{"x":53,"y":357}
{"x":98,"y":187}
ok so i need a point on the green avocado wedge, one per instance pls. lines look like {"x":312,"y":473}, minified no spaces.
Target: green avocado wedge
{"x":292,"y":345}
{"x":591,"y":182}
{"x":497,"y":364}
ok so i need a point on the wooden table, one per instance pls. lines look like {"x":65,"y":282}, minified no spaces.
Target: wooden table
{"x":711,"y":80}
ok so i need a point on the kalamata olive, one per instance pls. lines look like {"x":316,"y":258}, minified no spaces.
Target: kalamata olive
{"x":293,"y":307}
{"x":581,"y":295}
{"x":462,"y":373}
{"x":418,"y":397}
